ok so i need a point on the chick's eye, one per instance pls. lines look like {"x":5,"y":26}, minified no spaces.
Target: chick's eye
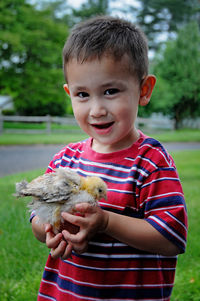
{"x":111,"y":91}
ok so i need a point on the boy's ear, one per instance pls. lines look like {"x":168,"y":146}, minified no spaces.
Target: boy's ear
{"x":147,"y":89}
{"x":65,"y":86}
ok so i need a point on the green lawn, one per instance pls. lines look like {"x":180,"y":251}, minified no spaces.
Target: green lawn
{"x":22,"y":257}
{"x":69,"y":134}
{"x":55,"y":138}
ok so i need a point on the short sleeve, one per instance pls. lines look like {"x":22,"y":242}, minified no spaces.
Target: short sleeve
{"x":164,"y":205}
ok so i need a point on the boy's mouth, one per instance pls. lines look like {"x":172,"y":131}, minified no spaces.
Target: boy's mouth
{"x":103,"y":125}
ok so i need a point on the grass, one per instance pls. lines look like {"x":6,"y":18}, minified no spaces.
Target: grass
{"x":55,"y":138}
{"x":34,"y":133}
{"x":37,"y":126}
{"x":22,"y":257}
{"x":70,"y":134}
{"x":182,"y":135}
{"x":187,"y":286}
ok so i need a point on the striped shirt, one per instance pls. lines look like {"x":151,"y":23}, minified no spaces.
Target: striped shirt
{"x":142,"y":182}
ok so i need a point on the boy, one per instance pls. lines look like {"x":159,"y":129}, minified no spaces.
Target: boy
{"x":125,"y":248}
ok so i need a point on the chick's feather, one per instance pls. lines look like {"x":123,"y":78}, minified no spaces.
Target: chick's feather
{"x":58,"y":192}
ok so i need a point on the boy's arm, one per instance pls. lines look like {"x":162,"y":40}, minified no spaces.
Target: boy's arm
{"x":132,"y":231}
{"x":139,"y":234}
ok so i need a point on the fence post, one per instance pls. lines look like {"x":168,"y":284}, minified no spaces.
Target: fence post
{"x":48,"y":124}
{"x":1,"y":124}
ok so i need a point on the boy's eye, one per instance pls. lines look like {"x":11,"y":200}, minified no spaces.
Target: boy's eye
{"x":111,"y":91}
{"x":82,"y":94}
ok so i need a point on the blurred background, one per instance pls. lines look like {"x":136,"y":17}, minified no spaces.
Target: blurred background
{"x":33,"y":32}
{"x":36,"y":117}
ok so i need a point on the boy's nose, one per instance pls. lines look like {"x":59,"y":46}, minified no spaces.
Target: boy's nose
{"x":97,"y":109}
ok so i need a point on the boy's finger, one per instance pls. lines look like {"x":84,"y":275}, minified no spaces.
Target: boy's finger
{"x":58,"y":252}
{"x":68,"y":251}
{"x":52,"y":241}
{"x":73,"y":219}
{"x":78,"y":238}
{"x":85,"y":208}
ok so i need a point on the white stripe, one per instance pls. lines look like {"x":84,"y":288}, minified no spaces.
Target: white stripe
{"x":116,"y":179}
{"x":92,"y":163}
{"x":51,"y":269}
{"x":162,"y":195}
{"x":149,"y":145}
{"x":122,"y":269}
{"x":110,"y":244}
{"x":164,"y":208}
{"x":167,"y":228}
{"x":130,"y":159}
{"x":111,"y":205}
{"x":50,"y":167}
{"x":106,"y":166}
{"x":46,"y":297}
{"x":121,"y":191}
{"x":119,"y":256}
{"x":57,"y":161}
{"x":77,"y":149}
{"x":160,"y":179}
{"x":148,"y":160}
{"x":174,"y":218}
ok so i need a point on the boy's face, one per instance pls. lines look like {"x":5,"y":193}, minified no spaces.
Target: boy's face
{"x":105,"y":98}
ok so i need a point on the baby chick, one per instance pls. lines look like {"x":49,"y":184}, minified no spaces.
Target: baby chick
{"x":59,"y":191}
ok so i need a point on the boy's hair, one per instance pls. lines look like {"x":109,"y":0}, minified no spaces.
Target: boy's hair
{"x":105,"y":35}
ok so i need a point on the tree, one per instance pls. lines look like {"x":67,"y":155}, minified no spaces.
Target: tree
{"x":178,"y":90}
{"x":90,"y":8}
{"x":161,"y":18}
{"x":31,"y":63}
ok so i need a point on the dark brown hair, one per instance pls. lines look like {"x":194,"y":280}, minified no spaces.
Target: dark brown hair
{"x":105,"y":35}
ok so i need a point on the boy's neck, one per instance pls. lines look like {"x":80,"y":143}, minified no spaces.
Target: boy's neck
{"x":127,"y":142}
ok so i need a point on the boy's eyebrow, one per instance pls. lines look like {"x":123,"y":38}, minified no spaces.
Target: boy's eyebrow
{"x":111,"y":83}
{"x":104,"y":85}
{"x":74,"y":87}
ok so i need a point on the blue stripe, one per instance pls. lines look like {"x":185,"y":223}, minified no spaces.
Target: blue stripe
{"x":108,"y":293}
{"x":89,"y":161}
{"x":120,"y":176}
{"x":142,"y":258}
{"x":168,"y":235}
{"x":164,"y":202}
{"x":173,"y":229}
{"x":157,"y":144}
{"x":104,"y":169}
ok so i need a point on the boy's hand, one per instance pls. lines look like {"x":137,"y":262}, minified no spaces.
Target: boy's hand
{"x":59,"y":247}
{"x":90,"y":220}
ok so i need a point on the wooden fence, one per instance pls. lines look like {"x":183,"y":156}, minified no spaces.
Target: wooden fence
{"x":148,"y":123}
